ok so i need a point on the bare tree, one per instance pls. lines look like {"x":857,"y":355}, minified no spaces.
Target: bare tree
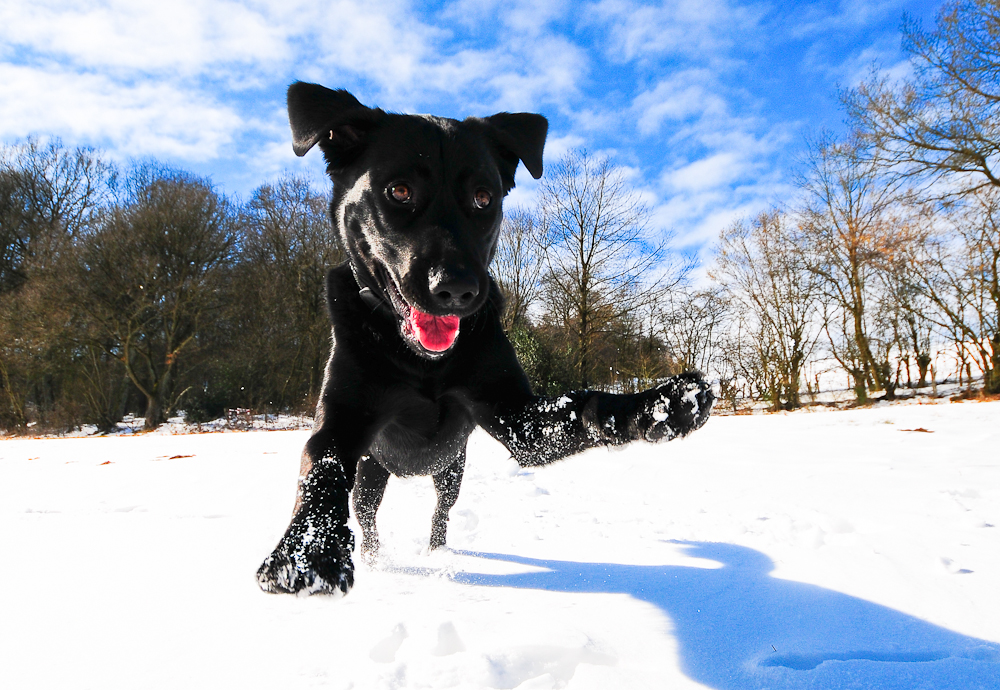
{"x":638,"y":354}
{"x":15,"y":231}
{"x":691,"y":322}
{"x":762,"y":265}
{"x":49,"y":194}
{"x":284,"y":334}
{"x":957,"y":268}
{"x":850,"y":232}
{"x":750,"y":359}
{"x":945,"y":121}
{"x":150,"y":274}
{"x":602,"y":264}
{"x":909,"y":311}
{"x":518,"y":263}
{"x":59,"y":189}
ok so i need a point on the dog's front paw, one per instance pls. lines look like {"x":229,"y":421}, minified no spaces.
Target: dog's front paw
{"x":310,"y":559}
{"x":675,"y":408}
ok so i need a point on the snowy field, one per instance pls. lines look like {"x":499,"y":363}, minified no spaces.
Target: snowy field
{"x":809,"y":550}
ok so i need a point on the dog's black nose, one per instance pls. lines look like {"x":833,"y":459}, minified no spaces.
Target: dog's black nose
{"x":454,"y":292}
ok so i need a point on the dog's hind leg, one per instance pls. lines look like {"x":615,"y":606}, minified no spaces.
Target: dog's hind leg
{"x":446,"y":483}
{"x":368,"y":490}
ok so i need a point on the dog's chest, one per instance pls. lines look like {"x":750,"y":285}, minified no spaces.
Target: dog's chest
{"x":422,"y":435}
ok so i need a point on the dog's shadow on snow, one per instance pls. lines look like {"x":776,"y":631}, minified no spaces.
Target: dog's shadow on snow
{"x":738,"y":627}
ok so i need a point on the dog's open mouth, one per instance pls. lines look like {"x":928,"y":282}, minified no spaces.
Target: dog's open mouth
{"x":435,"y":334}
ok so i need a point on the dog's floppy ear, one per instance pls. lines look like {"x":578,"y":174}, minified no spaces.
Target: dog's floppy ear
{"x":334,"y":119}
{"x":523,"y":135}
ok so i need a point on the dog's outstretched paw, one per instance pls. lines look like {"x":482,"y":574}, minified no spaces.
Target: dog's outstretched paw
{"x":309,"y":562}
{"x":675,"y":408}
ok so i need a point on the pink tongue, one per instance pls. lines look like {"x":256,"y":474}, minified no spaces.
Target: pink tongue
{"x":436,"y":333}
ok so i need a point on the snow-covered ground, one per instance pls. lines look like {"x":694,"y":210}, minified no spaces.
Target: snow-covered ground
{"x":820,"y":549}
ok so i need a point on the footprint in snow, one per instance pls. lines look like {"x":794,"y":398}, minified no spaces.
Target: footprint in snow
{"x":541,"y":666}
{"x":385,"y":651}
{"x":448,"y":641}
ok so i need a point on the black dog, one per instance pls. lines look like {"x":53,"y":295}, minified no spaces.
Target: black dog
{"x":419,"y":358}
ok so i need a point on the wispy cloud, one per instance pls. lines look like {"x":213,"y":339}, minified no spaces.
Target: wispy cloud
{"x":182,"y":38}
{"x":684,"y":95}
{"x":138,"y":119}
{"x":705,"y":29}
{"x":818,"y":20}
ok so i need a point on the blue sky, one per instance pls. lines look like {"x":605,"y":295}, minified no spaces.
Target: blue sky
{"x":705,"y":103}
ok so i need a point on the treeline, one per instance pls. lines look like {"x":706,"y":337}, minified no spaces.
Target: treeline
{"x":890,"y":253}
{"x":144,"y":290}
{"x":147,"y":291}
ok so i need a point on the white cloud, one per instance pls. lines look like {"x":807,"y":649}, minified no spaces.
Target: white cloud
{"x":532,"y":17}
{"x":857,"y":67}
{"x":386,"y":47}
{"x":144,"y":119}
{"x":241,"y":44}
{"x":703,"y":28}
{"x":720,"y":160}
{"x":471,"y":14}
{"x":404,"y":62}
{"x":557,"y":67}
{"x":183,"y":37}
{"x":557,"y":146}
{"x":719,"y":169}
{"x":273,"y":158}
{"x":165,"y":79}
{"x":526,"y":17}
{"x":679,"y":97}
{"x":820,"y":20}
{"x":736,"y":176}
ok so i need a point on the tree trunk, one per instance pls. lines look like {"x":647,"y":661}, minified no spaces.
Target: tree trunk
{"x":795,"y":376}
{"x":883,"y":371}
{"x":860,"y":386}
{"x":584,"y":345}
{"x":991,"y":377}
{"x":159,"y":395}
{"x":923,"y":365}
{"x":154,"y":412}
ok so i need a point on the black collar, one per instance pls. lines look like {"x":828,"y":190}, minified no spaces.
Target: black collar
{"x":375,"y":301}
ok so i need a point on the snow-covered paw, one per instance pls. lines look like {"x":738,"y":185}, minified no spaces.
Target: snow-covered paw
{"x":676,"y":408}
{"x":309,"y":563}
{"x":369,"y":552}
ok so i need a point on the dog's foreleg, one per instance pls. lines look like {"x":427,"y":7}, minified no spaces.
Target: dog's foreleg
{"x":368,"y":490}
{"x":314,"y":555}
{"x":538,"y":431}
{"x":447,"y":484}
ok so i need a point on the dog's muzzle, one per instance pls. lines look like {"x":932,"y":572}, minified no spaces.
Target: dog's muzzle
{"x":434,"y":335}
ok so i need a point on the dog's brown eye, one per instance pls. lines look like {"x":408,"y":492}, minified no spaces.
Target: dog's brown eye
{"x":401,"y":192}
{"x":482,"y":198}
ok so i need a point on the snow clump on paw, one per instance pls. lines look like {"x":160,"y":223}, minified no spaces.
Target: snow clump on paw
{"x":680,"y":406}
{"x":661,"y":410}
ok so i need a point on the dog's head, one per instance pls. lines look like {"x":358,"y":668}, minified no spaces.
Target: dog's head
{"x":417,"y":201}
